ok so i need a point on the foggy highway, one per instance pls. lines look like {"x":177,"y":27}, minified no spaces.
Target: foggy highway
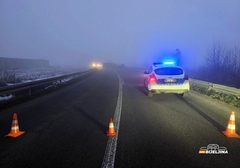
{"x":67,"y":128}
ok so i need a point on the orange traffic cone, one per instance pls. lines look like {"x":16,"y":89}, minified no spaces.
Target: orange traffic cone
{"x":15,"y":129}
{"x":111,"y":131}
{"x":230,"y":130}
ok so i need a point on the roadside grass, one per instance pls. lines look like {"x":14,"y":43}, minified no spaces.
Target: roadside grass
{"x":229,"y":99}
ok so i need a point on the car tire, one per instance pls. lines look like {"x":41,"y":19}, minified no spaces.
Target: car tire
{"x":184,"y":94}
{"x":150,"y":94}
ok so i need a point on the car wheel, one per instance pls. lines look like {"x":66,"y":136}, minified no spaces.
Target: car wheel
{"x":150,"y":94}
{"x":184,"y":94}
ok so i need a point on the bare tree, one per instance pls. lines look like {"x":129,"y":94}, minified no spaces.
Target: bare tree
{"x":223,"y":64}
{"x":214,"y":60}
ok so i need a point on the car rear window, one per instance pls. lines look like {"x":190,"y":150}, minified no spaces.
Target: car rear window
{"x":169,"y":71}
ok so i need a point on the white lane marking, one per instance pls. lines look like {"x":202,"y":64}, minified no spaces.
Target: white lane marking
{"x":110,"y":152}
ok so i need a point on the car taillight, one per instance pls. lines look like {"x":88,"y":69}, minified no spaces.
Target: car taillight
{"x":185,"y":77}
{"x":152,"y":78}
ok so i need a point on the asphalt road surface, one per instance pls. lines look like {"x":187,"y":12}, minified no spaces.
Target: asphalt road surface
{"x":67,"y":128}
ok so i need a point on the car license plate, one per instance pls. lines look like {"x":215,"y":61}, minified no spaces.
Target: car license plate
{"x":170,"y":80}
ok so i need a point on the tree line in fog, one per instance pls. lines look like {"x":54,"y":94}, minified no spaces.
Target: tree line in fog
{"x":221,"y":66}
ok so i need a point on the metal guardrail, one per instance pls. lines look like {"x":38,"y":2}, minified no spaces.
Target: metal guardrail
{"x":30,"y":85}
{"x":216,"y":87}
{"x":208,"y":85}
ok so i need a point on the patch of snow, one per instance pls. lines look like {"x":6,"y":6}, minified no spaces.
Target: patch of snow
{"x":6,"y":97}
{"x":20,"y":76}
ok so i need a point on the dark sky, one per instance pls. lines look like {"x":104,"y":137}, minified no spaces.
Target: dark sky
{"x":134,"y":32}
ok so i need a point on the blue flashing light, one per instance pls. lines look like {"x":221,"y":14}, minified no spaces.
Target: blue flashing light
{"x":168,"y":63}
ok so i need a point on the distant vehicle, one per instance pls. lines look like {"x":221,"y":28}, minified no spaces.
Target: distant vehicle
{"x":166,"y":77}
{"x":97,"y":65}
{"x":109,"y":65}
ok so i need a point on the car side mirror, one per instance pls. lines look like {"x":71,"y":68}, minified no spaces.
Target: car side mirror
{"x":145,"y":72}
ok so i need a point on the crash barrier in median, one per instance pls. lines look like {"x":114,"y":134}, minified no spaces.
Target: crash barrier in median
{"x":31,"y":85}
{"x":216,"y":87}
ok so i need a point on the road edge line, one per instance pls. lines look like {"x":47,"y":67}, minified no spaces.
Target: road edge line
{"x":110,"y":152}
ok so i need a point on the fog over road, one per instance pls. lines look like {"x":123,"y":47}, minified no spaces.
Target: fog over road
{"x":137,"y":32}
{"x":67,"y":128}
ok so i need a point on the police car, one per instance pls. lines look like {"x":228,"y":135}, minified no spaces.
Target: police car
{"x":166,"y":77}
